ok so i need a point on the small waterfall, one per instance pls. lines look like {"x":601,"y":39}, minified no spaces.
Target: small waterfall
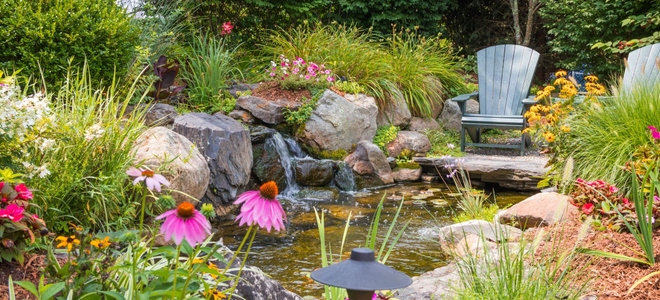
{"x":286,"y":158}
{"x":294,"y":148}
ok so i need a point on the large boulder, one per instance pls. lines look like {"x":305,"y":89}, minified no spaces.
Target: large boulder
{"x":436,"y":284}
{"x":492,"y":232}
{"x":543,"y":209}
{"x":370,"y":163}
{"x":394,"y":113}
{"x":450,"y":118}
{"x":406,"y":174}
{"x":267,"y":160}
{"x":227,"y":148}
{"x":408,"y":140}
{"x":344,"y":177}
{"x":268,"y":111}
{"x":313,"y":172}
{"x":423,"y":124}
{"x":158,"y":114}
{"x":187,"y":170}
{"x":339,"y":124}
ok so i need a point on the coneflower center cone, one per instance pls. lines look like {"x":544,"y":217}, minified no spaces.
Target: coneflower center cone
{"x":148,"y":173}
{"x":185,"y":210}
{"x":268,"y":190}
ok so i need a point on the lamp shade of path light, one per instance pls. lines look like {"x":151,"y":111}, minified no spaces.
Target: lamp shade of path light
{"x":361,"y":275}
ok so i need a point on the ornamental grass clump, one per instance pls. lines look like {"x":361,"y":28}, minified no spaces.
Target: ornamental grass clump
{"x":606,"y":141}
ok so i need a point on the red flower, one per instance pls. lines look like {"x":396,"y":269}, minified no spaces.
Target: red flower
{"x":23,"y":192}
{"x":588,"y":208}
{"x":226,"y":28}
{"x":13,"y":212}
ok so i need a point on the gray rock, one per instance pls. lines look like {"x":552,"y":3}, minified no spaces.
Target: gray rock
{"x":394,"y":113}
{"x":160,"y":114}
{"x":242,"y":115}
{"x":241,"y":87}
{"x":266,"y":160}
{"x":344,"y":177}
{"x":313,"y":172}
{"x":436,"y":108}
{"x":368,"y":160}
{"x":392,"y":162}
{"x":318,"y":193}
{"x":491,"y":232}
{"x":338,"y":123}
{"x":450,"y":118}
{"x":268,"y":111}
{"x":436,"y":284}
{"x":227,"y":148}
{"x":423,"y":124}
{"x":544,"y":209}
{"x":516,"y":172}
{"x":408,"y":140}
{"x":405,"y":174}
{"x":187,"y":172}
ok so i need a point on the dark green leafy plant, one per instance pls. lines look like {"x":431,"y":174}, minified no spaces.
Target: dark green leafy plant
{"x":48,"y":33}
{"x":164,"y":86}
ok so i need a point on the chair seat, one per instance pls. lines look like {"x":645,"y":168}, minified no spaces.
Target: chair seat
{"x":493,"y":121}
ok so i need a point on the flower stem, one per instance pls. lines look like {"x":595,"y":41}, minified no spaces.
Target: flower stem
{"x":176,"y":265}
{"x":240,"y":270}
{"x":144,"y":201}
{"x":233,"y":258}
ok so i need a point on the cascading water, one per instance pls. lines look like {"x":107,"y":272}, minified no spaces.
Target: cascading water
{"x":294,"y":148}
{"x":282,"y":148}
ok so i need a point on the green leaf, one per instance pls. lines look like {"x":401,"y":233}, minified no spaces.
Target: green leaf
{"x":645,"y":278}
{"x":610,"y":255}
{"x":112,"y":294}
{"x":50,"y":290}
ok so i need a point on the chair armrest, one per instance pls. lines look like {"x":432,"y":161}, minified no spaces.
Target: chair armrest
{"x":460,"y":100}
{"x":528,"y":102}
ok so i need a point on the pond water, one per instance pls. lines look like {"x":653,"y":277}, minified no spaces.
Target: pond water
{"x":289,"y":256}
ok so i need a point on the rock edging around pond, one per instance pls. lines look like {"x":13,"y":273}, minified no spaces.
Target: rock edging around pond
{"x":478,"y":238}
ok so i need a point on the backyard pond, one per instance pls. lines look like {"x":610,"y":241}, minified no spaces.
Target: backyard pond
{"x":289,"y":256}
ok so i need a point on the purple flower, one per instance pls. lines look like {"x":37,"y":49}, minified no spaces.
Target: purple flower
{"x":260,"y":207}
{"x":151,"y":179}
{"x":185,"y":223}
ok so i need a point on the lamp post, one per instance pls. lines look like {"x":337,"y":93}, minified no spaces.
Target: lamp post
{"x":361,"y":275}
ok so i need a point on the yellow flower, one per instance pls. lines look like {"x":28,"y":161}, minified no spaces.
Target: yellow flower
{"x":565,"y":128}
{"x":197,"y":261}
{"x":76,"y":227}
{"x":591,"y":78}
{"x":67,"y":242}
{"x":549,"y":136}
{"x":101,"y":244}
{"x":560,"y":73}
{"x":215,"y":295}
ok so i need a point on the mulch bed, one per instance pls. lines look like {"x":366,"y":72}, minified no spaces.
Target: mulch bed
{"x":271,"y":91}
{"x":610,"y":278}
{"x":31,"y":271}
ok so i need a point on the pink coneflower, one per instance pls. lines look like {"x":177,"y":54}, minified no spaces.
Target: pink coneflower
{"x":12,"y":212}
{"x":152,"y":179}
{"x":22,"y":192}
{"x":185,"y":223}
{"x":260,"y":207}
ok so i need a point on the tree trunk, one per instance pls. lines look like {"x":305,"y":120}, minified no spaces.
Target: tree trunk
{"x":532,"y":7}
{"x":516,"y":21}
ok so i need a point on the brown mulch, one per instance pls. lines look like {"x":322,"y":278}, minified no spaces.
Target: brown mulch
{"x":31,"y":271}
{"x":271,"y":91}
{"x":610,"y":278}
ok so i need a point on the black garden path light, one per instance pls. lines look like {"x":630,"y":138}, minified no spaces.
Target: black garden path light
{"x":361,"y":275}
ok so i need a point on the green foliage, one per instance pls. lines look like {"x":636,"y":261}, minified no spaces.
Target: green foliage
{"x":349,"y":87}
{"x":298,"y":74}
{"x":209,"y":67}
{"x":642,"y":24}
{"x":407,"y":165}
{"x":381,"y":14}
{"x":296,"y":118}
{"x":89,"y":159}
{"x":576,"y":26}
{"x":385,"y":135}
{"x":487,"y":214}
{"x":517,"y":273}
{"x":426,"y":70}
{"x":444,"y":142}
{"x":48,"y":33}
{"x":338,"y":154}
{"x":603,"y":139}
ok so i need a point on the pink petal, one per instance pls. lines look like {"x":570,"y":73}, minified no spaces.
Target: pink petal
{"x":166,"y":214}
{"x":133,"y":172}
{"x":161,"y":179}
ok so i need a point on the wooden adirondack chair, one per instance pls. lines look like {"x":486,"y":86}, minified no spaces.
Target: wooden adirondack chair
{"x":642,"y":67}
{"x":505,"y":76}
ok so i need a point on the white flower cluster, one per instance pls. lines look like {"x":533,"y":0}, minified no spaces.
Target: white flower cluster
{"x":19,"y":113}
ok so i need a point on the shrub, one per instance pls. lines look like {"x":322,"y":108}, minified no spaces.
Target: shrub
{"x":210,"y":66}
{"x":385,"y":135}
{"x":443,"y":142}
{"x":347,"y":50}
{"x":89,"y":157}
{"x":48,"y":33}
{"x":426,"y":70}
{"x":603,"y":139}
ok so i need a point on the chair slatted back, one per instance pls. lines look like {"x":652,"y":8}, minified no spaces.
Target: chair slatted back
{"x":505,"y":76}
{"x":642,"y":67}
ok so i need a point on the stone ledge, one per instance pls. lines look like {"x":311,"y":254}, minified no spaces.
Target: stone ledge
{"x":511,"y":172}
